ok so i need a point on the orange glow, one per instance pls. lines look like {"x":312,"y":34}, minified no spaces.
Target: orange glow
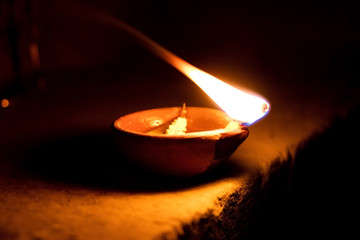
{"x":5,"y":103}
{"x":239,"y":105}
{"x":34,"y":55}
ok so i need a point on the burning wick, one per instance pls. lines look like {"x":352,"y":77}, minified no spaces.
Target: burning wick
{"x":239,"y":105}
{"x":178,"y":141}
{"x":178,"y":126}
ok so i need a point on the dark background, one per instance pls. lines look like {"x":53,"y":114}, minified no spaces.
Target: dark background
{"x":280,"y":41}
{"x":97,"y":72}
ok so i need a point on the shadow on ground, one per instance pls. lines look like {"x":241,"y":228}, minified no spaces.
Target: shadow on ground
{"x":321,"y":197}
{"x":93,"y":160}
{"x":317,"y":200}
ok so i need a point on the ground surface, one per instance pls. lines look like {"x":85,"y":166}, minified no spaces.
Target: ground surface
{"x":66,"y":182}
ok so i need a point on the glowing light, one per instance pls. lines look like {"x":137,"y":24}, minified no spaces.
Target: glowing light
{"x":239,"y":105}
{"x":5,"y":103}
{"x":34,"y":55}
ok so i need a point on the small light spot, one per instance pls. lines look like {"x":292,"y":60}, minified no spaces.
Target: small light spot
{"x":156,"y":123}
{"x":5,"y":103}
{"x":265,"y":108}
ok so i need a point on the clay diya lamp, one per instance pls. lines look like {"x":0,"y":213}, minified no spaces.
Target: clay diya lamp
{"x":211,"y":135}
{"x":208,"y":139}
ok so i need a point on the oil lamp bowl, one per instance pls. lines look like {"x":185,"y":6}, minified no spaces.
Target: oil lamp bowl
{"x":204,"y":145}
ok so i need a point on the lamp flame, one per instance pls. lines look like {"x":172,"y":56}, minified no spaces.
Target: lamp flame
{"x":239,"y":105}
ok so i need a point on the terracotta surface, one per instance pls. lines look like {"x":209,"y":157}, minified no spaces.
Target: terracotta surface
{"x":205,"y":145}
